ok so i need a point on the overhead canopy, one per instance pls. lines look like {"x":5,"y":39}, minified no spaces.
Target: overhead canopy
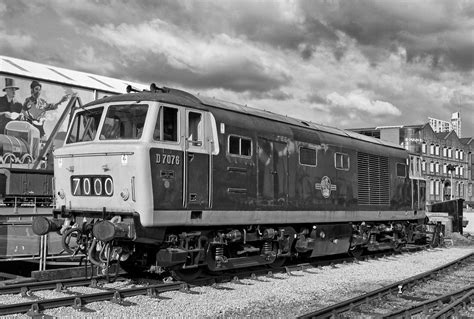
{"x":44,"y":72}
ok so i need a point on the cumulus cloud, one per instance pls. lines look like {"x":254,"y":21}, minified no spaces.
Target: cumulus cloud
{"x":17,"y":41}
{"x":358,"y":100}
{"x":334,"y":62}
{"x":239,"y":64}
{"x":437,"y":29}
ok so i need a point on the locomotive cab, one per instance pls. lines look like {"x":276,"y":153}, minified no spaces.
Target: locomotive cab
{"x":120,"y":143}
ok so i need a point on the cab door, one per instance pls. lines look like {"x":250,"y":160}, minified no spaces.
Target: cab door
{"x":197,"y":160}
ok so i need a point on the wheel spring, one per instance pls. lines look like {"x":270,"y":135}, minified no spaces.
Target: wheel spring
{"x":267,"y":248}
{"x":219,"y":256}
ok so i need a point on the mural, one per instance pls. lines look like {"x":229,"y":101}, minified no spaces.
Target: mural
{"x":40,"y":103}
{"x":29,"y":111}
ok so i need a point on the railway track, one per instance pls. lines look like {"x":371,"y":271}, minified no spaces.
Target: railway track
{"x":78,"y":301}
{"x":35,"y":307}
{"x":435,"y":293}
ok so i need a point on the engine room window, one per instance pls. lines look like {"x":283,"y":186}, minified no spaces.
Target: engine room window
{"x":341,"y":161}
{"x":84,"y":126}
{"x":240,"y":146}
{"x":401,"y":170}
{"x":124,"y":122}
{"x":307,"y":156}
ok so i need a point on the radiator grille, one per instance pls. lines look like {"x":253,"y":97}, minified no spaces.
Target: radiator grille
{"x":373,"y":179}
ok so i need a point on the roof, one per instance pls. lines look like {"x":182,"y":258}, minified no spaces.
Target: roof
{"x":442,"y":135}
{"x":466,"y":140}
{"x":44,"y":72}
{"x":174,"y":96}
{"x":378,"y":128}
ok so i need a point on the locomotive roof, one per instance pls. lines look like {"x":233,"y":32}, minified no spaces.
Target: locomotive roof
{"x":183,"y":98}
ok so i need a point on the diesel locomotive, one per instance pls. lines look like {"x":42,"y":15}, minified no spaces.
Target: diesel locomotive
{"x":167,"y":180}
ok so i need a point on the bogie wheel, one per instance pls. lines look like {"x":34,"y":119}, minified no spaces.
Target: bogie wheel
{"x":356,"y":252}
{"x":135,"y":264}
{"x":279,"y":261}
{"x":186,"y":274}
{"x":131,"y":266}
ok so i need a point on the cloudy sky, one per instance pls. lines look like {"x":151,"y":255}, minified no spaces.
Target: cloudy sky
{"x":349,"y":64}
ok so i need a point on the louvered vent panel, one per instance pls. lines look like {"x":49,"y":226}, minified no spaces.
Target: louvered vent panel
{"x":373,"y":179}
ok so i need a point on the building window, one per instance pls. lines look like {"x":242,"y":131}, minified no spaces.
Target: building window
{"x":450,"y":152}
{"x":436,"y":184}
{"x":432,"y":167}
{"x":469,"y":190}
{"x":423,"y":166}
{"x":445,"y":151}
{"x":431,"y":187}
{"x":461,"y":155}
{"x":437,"y":150}
{"x":432,"y":149}
{"x":241,"y":146}
{"x":461,"y":171}
{"x":341,"y":161}
{"x":437,"y":167}
{"x":456,"y":170}
{"x":445,"y":168}
{"x":307,"y":156}
{"x":456,"y":154}
{"x":423,"y":148}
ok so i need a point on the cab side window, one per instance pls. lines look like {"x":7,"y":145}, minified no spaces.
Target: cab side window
{"x":166,"y":128}
{"x":195,"y":128}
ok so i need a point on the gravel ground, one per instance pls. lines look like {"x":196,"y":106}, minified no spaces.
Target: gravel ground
{"x":279,"y":297}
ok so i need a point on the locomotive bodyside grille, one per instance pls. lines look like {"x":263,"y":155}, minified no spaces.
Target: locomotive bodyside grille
{"x":373,"y":179}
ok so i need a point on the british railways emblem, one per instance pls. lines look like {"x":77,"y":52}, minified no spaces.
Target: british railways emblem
{"x":325,"y":186}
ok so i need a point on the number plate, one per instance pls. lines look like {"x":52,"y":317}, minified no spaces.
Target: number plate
{"x":98,"y":185}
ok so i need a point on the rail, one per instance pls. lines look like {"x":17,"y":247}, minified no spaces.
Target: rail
{"x":460,"y":296}
{"x":347,"y":305}
{"x":34,"y":307}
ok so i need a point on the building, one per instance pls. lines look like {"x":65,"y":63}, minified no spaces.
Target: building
{"x":440,"y":126}
{"x":447,"y":161}
{"x":456,"y":123}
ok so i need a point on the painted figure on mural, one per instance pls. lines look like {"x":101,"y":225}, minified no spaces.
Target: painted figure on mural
{"x":35,"y":107}
{"x":9,"y":107}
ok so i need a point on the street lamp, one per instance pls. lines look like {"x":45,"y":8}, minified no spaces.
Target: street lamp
{"x":451,"y":168}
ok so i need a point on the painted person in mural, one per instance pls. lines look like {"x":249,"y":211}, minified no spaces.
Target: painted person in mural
{"x":35,"y":107}
{"x":10,"y":108}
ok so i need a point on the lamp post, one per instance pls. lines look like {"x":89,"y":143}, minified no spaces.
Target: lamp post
{"x":451,"y":168}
